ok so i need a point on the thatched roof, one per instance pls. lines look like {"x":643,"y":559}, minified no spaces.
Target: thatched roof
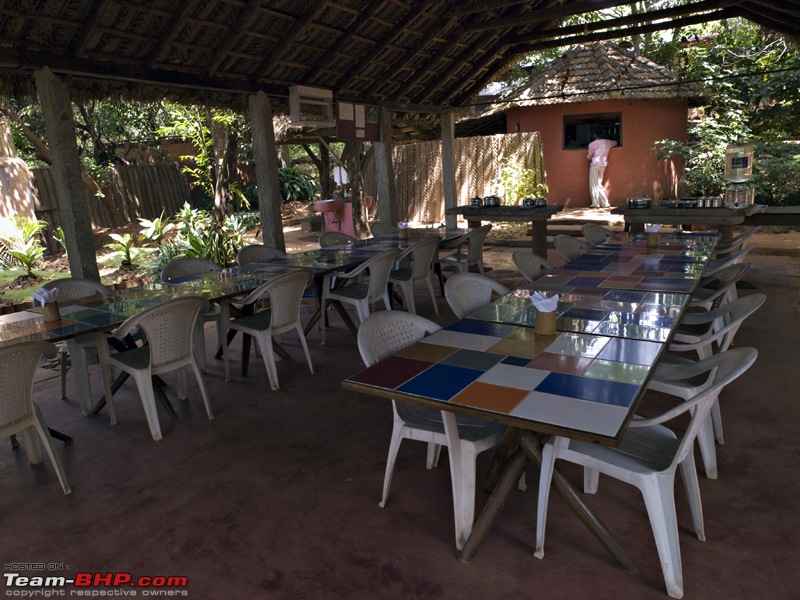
{"x":410,"y":55}
{"x":599,"y":71}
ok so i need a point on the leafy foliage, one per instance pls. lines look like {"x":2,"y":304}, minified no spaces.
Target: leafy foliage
{"x":296,"y":185}
{"x":23,"y":245}
{"x":516,"y":182}
{"x":123,"y":245}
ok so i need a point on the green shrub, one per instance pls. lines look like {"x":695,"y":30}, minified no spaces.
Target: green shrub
{"x":23,"y":246}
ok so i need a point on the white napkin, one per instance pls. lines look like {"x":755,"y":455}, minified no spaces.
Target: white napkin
{"x":543,"y":303}
{"x":45,"y":296}
{"x":652,"y":227}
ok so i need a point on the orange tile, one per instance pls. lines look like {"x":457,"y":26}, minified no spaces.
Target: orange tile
{"x":487,"y":396}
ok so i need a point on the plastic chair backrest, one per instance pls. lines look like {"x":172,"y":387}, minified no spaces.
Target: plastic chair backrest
{"x":475,"y":240}
{"x":467,"y":292}
{"x":569,"y":247}
{"x":335,"y":238}
{"x":184,"y":267}
{"x":285,"y":294}
{"x":70,"y":288}
{"x":422,"y":254}
{"x":731,"y":314}
{"x":168,"y":327}
{"x":716,"y":265}
{"x":257,"y":253}
{"x":724,"y":368}
{"x":388,"y":331}
{"x":18,"y":364}
{"x":379,"y":228}
{"x":530,"y":265}
{"x":596,"y":234}
{"x":380,"y":268}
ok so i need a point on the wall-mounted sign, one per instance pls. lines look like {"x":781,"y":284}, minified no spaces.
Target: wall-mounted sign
{"x":357,"y":122}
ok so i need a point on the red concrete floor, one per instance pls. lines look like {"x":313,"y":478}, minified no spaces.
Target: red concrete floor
{"x":277,"y":497}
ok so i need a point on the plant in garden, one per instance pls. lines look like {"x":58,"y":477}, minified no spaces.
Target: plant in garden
{"x":516,"y":182}
{"x":23,"y":244}
{"x":153,"y":231}
{"x":296,"y":185}
{"x":122,"y":246}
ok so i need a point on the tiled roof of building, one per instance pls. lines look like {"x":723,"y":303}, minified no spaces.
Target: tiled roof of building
{"x":599,"y":71}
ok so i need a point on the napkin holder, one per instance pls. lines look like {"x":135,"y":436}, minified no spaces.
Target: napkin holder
{"x":652,"y":239}
{"x":545,"y":323}
{"x":50,"y":312}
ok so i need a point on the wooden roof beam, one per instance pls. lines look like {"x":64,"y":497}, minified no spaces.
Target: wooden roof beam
{"x":771,"y":19}
{"x":561,"y":11}
{"x":522,"y":47}
{"x":167,"y":32}
{"x":791,"y":8}
{"x":94,"y":17}
{"x":234,"y":37}
{"x":385,"y":43}
{"x":636,"y":19}
{"x":286,"y":40}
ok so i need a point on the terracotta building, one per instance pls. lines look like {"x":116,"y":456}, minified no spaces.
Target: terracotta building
{"x":605,"y":89}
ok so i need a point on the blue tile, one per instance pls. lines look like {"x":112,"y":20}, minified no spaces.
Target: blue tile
{"x":585,"y":388}
{"x":440,"y":382}
{"x":585,"y":313}
{"x":482,"y":328}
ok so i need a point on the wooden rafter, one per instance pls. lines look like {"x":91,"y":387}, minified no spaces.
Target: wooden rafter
{"x":286,"y":40}
{"x":725,"y":13}
{"x":87,"y":30}
{"x":567,"y":9}
{"x":234,"y":37}
{"x":635,"y":19}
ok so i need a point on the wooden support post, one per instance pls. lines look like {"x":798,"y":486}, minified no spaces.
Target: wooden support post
{"x":60,"y":127}
{"x":387,"y":195}
{"x":267,"y":180}
{"x":449,"y":165}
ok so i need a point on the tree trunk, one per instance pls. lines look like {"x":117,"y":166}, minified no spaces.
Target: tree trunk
{"x":221,"y":174}
{"x":353,"y":153}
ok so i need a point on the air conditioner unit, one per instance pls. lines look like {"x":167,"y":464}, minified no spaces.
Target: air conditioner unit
{"x":311,"y":107}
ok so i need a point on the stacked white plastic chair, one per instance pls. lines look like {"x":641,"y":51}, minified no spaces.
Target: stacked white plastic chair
{"x":569,"y":247}
{"x":596,"y":234}
{"x":461,"y":262}
{"x":257,"y":253}
{"x":467,"y":292}
{"x":530,"y":265}
{"x":421,"y":255}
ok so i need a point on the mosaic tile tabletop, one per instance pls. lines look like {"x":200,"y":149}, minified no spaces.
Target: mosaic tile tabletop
{"x":631,"y":314}
{"x":569,"y":382}
{"x":625,"y":262}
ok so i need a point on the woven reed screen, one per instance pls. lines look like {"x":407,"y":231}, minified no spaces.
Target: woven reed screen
{"x":136,"y":191}
{"x":479,"y":162}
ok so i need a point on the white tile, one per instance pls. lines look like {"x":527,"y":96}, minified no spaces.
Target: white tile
{"x":592,"y":417}
{"x":521,"y":378}
{"x":459,"y":339}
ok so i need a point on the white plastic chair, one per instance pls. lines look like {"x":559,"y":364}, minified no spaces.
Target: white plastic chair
{"x":360,"y":295}
{"x":596,"y":234}
{"x":257,"y":253}
{"x":380,"y":336}
{"x":717,"y":289}
{"x":379,"y":228}
{"x":335,"y":238}
{"x":186,"y":267}
{"x":704,"y":334}
{"x":18,"y":411}
{"x":530,"y":265}
{"x":647,"y":457}
{"x":467,"y":292}
{"x":169,"y":329}
{"x":715,"y":265}
{"x":285,"y":293}
{"x":727,"y":247}
{"x":81,"y":349}
{"x":473,"y":258}
{"x":422,"y":255}
{"x":569,"y":247}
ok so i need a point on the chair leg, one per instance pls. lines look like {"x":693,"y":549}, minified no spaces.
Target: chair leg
{"x":463,"y":485}
{"x":199,"y":344}
{"x":394,"y":447}
{"x":63,"y":365}
{"x":705,"y":439}
{"x":80,"y":370}
{"x":225,"y":351}
{"x":549,"y":452}
{"x":659,"y":498}
{"x":692,"y":485}
{"x":47,"y":442}
{"x":591,"y":479}
{"x":144,"y":383}
{"x":264,"y":342}
{"x":305,"y":347}
{"x":102,"y":351}
{"x":429,"y":282}
{"x":716,"y":419}
{"x":180,"y":383}
{"x":30,"y":441}
{"x":203,"y":391}
{"x":434,"y":451}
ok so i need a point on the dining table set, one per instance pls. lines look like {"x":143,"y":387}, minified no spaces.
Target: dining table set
{"x":619,"y":305}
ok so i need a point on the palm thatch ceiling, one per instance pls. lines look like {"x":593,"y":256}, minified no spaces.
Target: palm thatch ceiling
{"x":415,"y":55}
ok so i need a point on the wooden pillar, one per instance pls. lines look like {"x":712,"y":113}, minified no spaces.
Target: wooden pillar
{"x":60,"y":128}
{"x":449,"y":165}
{"x":267,"y":181}
{"x":384,"y":171}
